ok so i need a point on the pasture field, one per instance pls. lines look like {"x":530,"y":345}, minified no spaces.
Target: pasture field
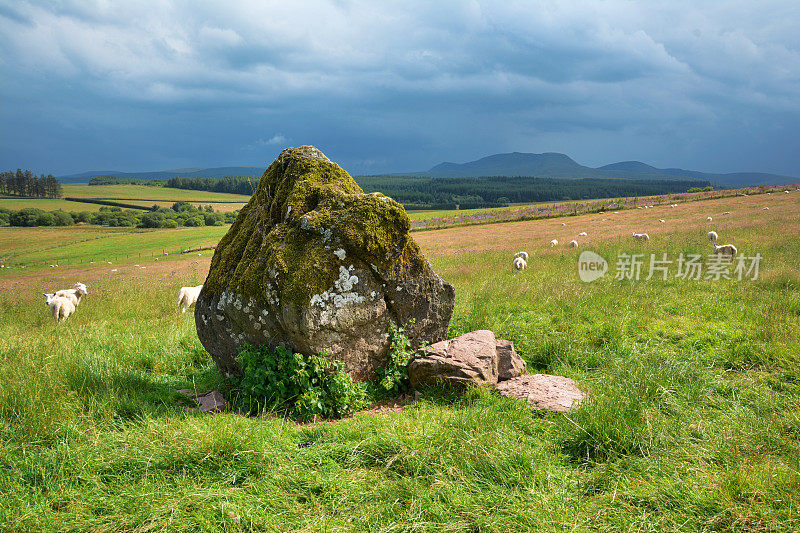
{"x":47,"y":204}
{"x":40,"y":247}
{"x":693,"y":422}
{"x":147,"y":193}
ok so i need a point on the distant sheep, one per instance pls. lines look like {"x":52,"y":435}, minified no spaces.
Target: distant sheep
{"x":661,"y":220}
{"x":726,"y":213}
{"x":60,"y":308}
{"x":766,"y":209}
{"x":554,"y":242}
{"x":712,"y":236}
{"x":573,"y":244}
{"x":74,"y":294}
{"x":563,"y":223}
{"x":641,"y":236}
{"x":709,"y":219}
{"x":519,"y":263}
{"x":726,"y":249}
{"x":582,"y":234}
{"x":187,"y":297}
{"x":523,"y":255}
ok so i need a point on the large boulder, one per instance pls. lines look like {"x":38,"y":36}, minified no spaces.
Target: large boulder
{"x":315,"y":265}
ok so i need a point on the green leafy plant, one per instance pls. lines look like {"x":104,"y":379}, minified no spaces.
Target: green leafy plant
{"x":394,"y":377}
{"x":303,"y":386}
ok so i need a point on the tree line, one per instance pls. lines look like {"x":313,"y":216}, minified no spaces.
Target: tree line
{"x":26,"y":183}
{"x":180,"y":214}
{"x":419,"y":192}
{"x":416,"y":192}
{"x":229,"y":184}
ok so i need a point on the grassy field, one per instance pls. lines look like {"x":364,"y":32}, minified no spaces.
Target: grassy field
{"x":40,"y":247}
{"x":146,"y":193}
{"x":47,"y":204}
{"x":693,"y":422}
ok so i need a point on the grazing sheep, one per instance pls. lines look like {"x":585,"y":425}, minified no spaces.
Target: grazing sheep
{"x":582,"y":234}
{"x":709,"y":219}
{"x":726,"y":213}
{"x":74,"y":294}
{"x":573,"y":244}
{"x":712,"y":236}
{"x":554,"y":242}
{"x":563,"y":223}
{"x":661,"y":220}
{"x":187,"y":297}
{"x":60,"y":307}
{"x":726,"y":249}
{"x":766,"y":209}
{"x":519,"y":263}
{"x":641,"y":236}
{"x":523,"y":255}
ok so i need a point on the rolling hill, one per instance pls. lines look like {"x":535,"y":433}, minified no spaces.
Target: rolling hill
{"x":213,"y":172}
{"x":552,"y":164}
{"x":545,"y":165}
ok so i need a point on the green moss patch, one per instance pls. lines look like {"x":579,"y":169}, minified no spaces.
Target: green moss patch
{"x":304,"y":208}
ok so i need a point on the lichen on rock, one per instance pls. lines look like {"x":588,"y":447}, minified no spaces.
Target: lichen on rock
{"x":319,"y":266}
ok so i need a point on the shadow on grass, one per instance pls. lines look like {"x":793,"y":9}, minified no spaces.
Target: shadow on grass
{"x":108,"y":390}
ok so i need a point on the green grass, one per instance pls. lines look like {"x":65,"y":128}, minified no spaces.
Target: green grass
{"x":693,"y":422}
{"x":46,"y":204}
{"x":69,"y":245}
{"x":144,"y":193}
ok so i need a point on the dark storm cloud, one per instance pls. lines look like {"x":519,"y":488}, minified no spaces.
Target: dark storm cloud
{"x":395,"y":86}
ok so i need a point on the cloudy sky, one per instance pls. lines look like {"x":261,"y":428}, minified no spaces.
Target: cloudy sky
{"x":391,"y":86}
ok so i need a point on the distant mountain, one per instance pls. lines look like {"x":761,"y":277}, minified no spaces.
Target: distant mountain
{"x":629,"y":166}
{"x":555,"y":165}
{"x":215,"y":172}
{"x":514,"y":164}
{"x":546,"y":165}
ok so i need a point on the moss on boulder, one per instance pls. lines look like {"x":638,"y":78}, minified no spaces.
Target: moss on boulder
{"x":314,"y":264}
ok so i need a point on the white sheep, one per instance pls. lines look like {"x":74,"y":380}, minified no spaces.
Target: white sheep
{"x":563,"y":223}
{"x":726,"y":213}
{"x":709,"y":219}
{"x":519,"y":263}
{"x":554,"y":242}
{"x":712,"y":236}
{"x":726,"y":249}
{"x":523,"y":255}
{"x":60,"y":307}
{"x":641,"y":236}
{"x":74,"y":294}
{"x":187,"y":297}
{"x":661,"y":220}
{"x":582,"y":234}
{"x":766,"y":209}
{"x":573,"y":244}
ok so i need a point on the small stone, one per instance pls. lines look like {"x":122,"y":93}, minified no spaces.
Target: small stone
{"x":509,"y":364}
{"x":470,"y":358}
{"x":543,"y":391}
